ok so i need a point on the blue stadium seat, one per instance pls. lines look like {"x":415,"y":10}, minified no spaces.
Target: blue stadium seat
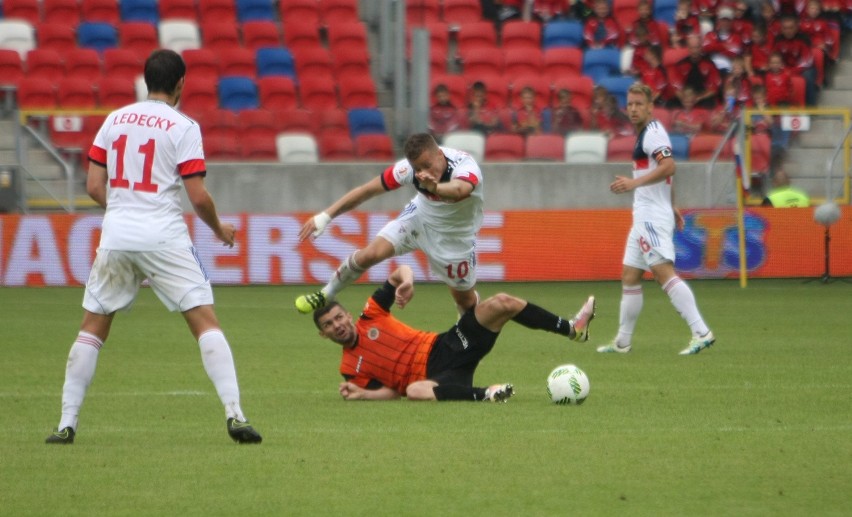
{"x":664,"y":11}
{"x":618,"y":87}
{"x":365,"y":121}
{"x":601,"y":62}
{"x":680,"y":146}
{"x":96,"y":35}
{"x":139,"y":11}
{"x":275,"y":61}
{"x":254,"y":10}
{"x":238,"y":93}
{"x":562,"y":33}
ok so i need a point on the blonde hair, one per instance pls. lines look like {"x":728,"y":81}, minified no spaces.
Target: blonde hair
{"x":641,"y":89}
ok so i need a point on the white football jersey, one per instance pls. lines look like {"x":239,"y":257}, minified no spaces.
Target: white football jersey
{"x":652,"y":202}
{"x":147,"y":147}
{"x":450,"y":217}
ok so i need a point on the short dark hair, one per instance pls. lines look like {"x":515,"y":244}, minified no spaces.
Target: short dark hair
{"x":163,"y":69}
{"x":417,"y":144}
{"x":322,"y":311}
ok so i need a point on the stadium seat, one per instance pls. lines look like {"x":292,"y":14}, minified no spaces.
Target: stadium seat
{"x":618,"y":87}
{"x":419,"y":13}
{"x":296,"y":121}
{"x":253,"y":10}
{"x":139,"y":11}
{"x":664,"y":11}
{"x":365,"y":120}
{"x":586,"y":147}
{"x":179,"y":35}
{"x":199,"y":95}
{"x":504,"y":147}
{"x":313,"y":61}
{"x":97,"y":35}
{"x":374,"y":147}
{"x":672,"y":56}
{"x":222,"y":10}
{"x":620,"y":149}
{"x":219,"y":35}
{"x":297,"y":148}
{"x":142,"y":90}
{"x":45,"y":64}
{"x":36,"y":93}
{"x":180,"y":9}
{"x":562,"y":33}
{"x":275,"y":61}
{"x":459,"y":12}
{"x":343,"y":34}
{"x":56,"y":36}
{"x":66,"y":12}
{"x":140,"y":37}
{"x":201,"y":62}
{"x":457,"y":85}
{"x":221,"y":149}
{"x":703,"y":145}
{"x":541,"y":85}
{"x":351,"y":60}
{"x":318,"y":92}
{"x":473,"y":35}
{"x":67,"y":133}
{"x":76,"y":92}
{"x":482,"y":61}
{"x":256,"y":124}
{"x":357,"y":91}
{"x":237,"y":93}
{"x":663,"y":115}
{"x":560,"y":62}
{"x":114,"y":92}
{"x":545,"y":147}
{"x":17,"y":35}
{"x":497,"y":88}
{"x":519,"y":62}
{"x":601,"y":62}
{"x":625,"y":59}
{"x":27,"y":10}
{"x":332,"y":120}
{"x":119,"y":62}
{"x":82,"y":62}
{"x":105,"y":11}
{"x":471,"y":142}
{"x":581,"y":88}
{"x":520,"y":34}
{"x":11,"y":68}
{"x":298,"y":36}
{"x":625,"y":12}
{"x":335,"y":11}
{"x":218,"y":123}
{"x":680,"y":146}
{"x":336,"y":147}
{"x":277,"y":93}
{"x":258,"y":34}
{"x":237,"y":61}
{"x":304,"y":11}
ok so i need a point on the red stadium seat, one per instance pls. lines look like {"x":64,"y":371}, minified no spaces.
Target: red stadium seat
{"x":82,"y":62}
{"x":201,"y":62}
{"x":45,"y":64}
{"x":625,"y":13}
{"x":482,"y":61}
{"x":36,"y":93}
{"x":258,"y":149}
{"x":260,"y":33}
{"x":620,"y":149}
{"x":221,"y":149}
{"x":473,"y":35}
{"x":347,"y":33}
{"x":351,"y":60}
{"x":56,"y":36}
{"x":76,"y":92}
{"x":237,"y":61}
{"x":218,"y":124}
{"x":119,"y":62}
{"x":523,"y":62}
{"x":457,"y":85}
{"x":422,"y":12}
{"x":335,"y":11}
{"x":219,"y":35}
{"x":545,"y":147}
{"x":277,"y":93}
{"x":703,"y":145}
{"x":560,"y":62}
{"x":581,"y":90}
{"x":497,"y":89}
{"x":11,"y":67}
{"x":357,"y":91}
{"x":100,"y":11}
{"x":462,"y":11}
{"x":305,"y":11}
{"x":374,"y":147}
{"x":66,"y":12}
{"x":181,"y":9}
{"x":332,"y":120}
{"x":200,"y":94}
{"x":313,"y":61}
{"x":504,"y":147}
{"x":336,"y":147}
{"x":256,"y":124}
{"x":520,"y":34}
{"x":114,"y":92}
{"x":664,"y":115}
{"x":222,"y":10}
{"x":140,"y":37}
{"x":318,"y":92}
{"x":540,"y":84}
{"x":27,"y":10}
{"x":299,"y":35}
{"x":296,"y":121}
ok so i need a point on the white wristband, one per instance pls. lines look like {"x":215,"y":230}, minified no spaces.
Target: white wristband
{"x":321,"y":220}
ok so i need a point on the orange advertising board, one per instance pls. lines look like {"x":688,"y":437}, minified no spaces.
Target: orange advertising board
{"x":562,"y":245}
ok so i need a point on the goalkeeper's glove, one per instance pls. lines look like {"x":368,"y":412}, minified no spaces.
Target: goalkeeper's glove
{"x":321,"y":220}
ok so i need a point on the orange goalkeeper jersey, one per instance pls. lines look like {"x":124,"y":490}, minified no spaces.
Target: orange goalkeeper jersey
{"x":388,"y":351}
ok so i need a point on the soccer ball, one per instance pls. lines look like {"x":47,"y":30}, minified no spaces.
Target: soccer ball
{"x":567,"y":384}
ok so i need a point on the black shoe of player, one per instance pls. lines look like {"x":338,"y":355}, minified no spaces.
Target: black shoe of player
{"x":242,"y":432}
{"x":63,"y":437}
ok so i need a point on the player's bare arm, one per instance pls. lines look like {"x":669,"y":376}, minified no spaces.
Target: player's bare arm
{"x":665,"y":169}
{"x":204,"y":206}
{"x":96,"y":184}
{"x":351,"y":391}
{"x":316,"y":224}
{"x":402,"y":279}
{"x":453,"y":190}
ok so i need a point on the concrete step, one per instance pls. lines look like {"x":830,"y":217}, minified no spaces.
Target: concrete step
{"x":835,"y":98}
{"x":841,"y":83}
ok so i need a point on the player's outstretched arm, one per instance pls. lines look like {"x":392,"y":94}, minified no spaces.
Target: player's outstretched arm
{"x":402,"y":279}
{"x":316,"y":224}
{"x":204,"y":206}
{"x":96,"y":184}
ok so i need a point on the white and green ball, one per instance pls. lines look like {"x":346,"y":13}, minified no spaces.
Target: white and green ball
{"x":567,"y":384}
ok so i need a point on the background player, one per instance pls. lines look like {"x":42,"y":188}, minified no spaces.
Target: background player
{"x":385,"y":359}
{"x":650,"y":245}
{"x":140,"y":156}
{"x":442,"y":220}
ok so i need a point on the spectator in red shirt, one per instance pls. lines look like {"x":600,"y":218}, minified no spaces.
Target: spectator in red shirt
{"x":527,"y":118}
{"x":657,"y":78}
{"x":566,"y":118}
{"x":742,"y":23}
{"x":822,"y":32}
{"x":444,"y":116}
{"x":737,"y":84}
{"x":601,"y":30}
{"x":778,"y":82}
{"x":698,"y":72}
{"x":606,"y":116}
{"x":686,"y":23}
{"x":640,"y":43}
{"x":481,"y":115}
{"x":656,"y":30}
{"x":758,"y":51}
{"x":689,"y":119}
{"x":795,"y":48}
{"x":722,"y":43}
{"x":719,"y":120}
{"x":769,"y":17}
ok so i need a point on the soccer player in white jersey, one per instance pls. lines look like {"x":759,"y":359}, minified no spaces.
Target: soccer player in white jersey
{"x":140,"y":157}
{"x":442,"y":220}
{"x":650,"y":245}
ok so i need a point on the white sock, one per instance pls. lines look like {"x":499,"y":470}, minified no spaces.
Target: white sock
{"x":79,"y":371}
{"x":348,"y":272}
{"x":684,"y":301}
{"x":219,"y":365}
{"x":631,"y":306}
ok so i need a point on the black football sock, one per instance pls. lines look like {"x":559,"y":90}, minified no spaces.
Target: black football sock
{"x":534,"y":317}
{"x":458,"y":392}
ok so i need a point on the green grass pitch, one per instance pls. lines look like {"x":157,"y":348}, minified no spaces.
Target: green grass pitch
{"x":759,"y":424}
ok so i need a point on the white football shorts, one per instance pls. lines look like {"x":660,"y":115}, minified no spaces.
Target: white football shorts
{"x":452,"y":258}
{"x":649,"y":244}
{"x":176,"y":276}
